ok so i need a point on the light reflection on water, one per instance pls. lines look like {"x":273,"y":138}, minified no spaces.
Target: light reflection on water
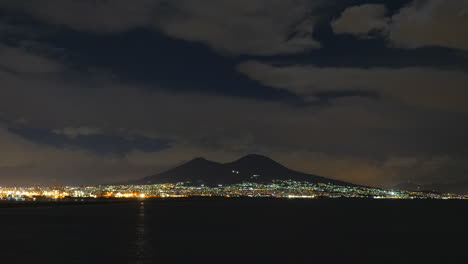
{"x":141,"y":237}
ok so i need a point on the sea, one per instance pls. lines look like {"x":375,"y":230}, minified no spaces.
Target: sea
{"x":200,"y":230}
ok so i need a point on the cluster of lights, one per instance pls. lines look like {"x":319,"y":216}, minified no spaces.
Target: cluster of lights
{"x":276,"y":189}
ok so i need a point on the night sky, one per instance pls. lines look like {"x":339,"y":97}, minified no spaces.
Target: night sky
{"x":99,"y":91}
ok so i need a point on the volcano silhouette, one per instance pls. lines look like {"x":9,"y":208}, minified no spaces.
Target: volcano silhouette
{"x":251,"y":168}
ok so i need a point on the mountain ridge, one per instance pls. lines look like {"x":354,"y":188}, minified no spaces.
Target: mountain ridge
{"x":249,"y":168}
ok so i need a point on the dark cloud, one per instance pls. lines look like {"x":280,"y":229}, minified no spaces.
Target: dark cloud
{"x":360,"y":20}
{"x":91,"y":139}
{"x":351,"y":130}
{"x":444,"y":18}
{"x":74,"y":132}
{"x":421,"y":23}
{"x":422,"y":87}
{"x":19,"y":60}
{"x":96,"y":16}
{"x":80,"y":120}
{"x":257,"y":27}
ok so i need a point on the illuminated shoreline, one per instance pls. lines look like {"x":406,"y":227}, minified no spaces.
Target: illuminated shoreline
{"x":277,"y":189}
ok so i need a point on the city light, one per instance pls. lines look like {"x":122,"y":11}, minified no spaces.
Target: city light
{"x":277,"y":189}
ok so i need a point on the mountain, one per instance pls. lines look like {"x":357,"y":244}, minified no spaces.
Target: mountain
{"x":251,"y":168}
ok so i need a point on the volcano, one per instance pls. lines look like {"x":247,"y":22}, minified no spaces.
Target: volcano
{"x":251,"y":168}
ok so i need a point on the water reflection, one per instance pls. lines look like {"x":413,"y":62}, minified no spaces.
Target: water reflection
{"x":141,"y":240}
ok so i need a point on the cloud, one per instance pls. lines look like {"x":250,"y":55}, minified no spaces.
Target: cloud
{"x":95,"y":16}
{"x":422,"y":23}
{"x":214,"y":120}
{"x":254,"y":27}
{"x":74,"y":132}
{"x":350,"y":140}
{"x":20,"y":60}
{"x":421,"y":87}
{"x":431,"y":23}
{"x":26,"y":162}
{"x":360,"y":20}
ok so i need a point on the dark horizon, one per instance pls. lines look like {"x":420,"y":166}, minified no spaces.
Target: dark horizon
{"x":352,"y":90}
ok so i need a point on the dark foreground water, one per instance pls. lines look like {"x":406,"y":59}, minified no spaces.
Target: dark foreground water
{"x":237,"y":231}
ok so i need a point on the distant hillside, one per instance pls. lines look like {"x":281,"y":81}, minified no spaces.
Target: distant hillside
{"x":251,"y":168}
{"x":458,"y":188}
